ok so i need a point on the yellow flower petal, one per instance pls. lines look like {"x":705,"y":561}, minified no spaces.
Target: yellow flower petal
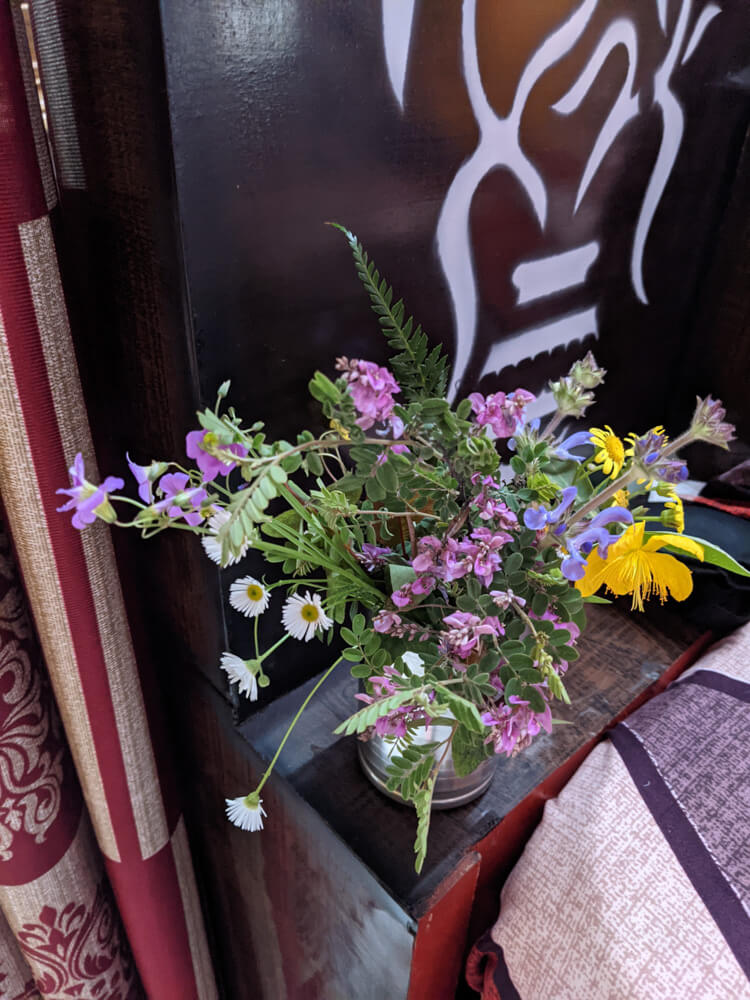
{"x":677,"y":542}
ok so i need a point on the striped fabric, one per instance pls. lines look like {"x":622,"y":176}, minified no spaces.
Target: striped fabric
{"x":637,"y":882}
{"x":55,"y":886}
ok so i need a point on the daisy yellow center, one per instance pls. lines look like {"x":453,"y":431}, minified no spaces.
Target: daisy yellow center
{"x":254,"y":592}
{"x":309,"y":612}
{"x":614,"y":449}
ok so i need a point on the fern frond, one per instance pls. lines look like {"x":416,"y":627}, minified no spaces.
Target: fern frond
{"x":421,"y":372}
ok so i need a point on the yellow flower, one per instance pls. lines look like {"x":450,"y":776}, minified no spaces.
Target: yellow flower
{"x":673,"y":515}
{"x":337,"y":426}
{"x":611,"y":454}
{"x":633,"y":567}
{"x":621,"y":499}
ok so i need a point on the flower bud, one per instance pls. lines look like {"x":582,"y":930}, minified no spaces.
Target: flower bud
{"x":572,"y":398}
{"x":708,"y":423}
{"x":587,"y":373}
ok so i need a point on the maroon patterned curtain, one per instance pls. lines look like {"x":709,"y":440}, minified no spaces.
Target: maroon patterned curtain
{"x":96,"y":880}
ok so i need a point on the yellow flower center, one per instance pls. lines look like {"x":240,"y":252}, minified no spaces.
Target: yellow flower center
{"x":210,"y":440}
{"x":254,"y":592}
{"x":614,"y":449}
{"x":310,"y":613}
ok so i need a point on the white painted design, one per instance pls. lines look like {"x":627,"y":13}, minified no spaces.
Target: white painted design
{"x":536,"y":278}
{"x":661,"y":9}
{"x":706,"y":16}
{"x":499,"y":145}
{"x":526,"y":344}
{"x":543,"y":405}
{"x":673,"y":126}
{"x":398,"y":17}
{"x":620,"y":32}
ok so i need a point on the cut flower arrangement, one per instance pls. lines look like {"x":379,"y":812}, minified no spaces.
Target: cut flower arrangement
{"x":457,"y":590}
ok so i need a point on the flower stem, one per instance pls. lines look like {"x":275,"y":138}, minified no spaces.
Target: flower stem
{"x":294,"y":722}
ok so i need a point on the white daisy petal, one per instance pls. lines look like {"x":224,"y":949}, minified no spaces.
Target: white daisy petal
{"x":246,"y":812}
{"x":304,"y":615}
{"x":248,"y":596}
{"x":238,"y":671}
{"x":212,"y":547}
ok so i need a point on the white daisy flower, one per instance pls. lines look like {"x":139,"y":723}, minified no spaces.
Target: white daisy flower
{"x":246,"y":812}
{"x":249,"y":596}
{"x":303,"y":616}
{"x":212,"y":547}
{"x":238,"y":671}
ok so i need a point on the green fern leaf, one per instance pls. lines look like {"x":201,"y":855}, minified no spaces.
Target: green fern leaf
{"x":420,"y":372}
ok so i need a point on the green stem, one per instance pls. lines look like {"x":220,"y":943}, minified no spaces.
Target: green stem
{"x":275,"y":646}
{"x":294,"y":722}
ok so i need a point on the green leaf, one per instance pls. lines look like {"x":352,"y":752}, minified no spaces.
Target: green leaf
{"x":423,"y":805}
{"x":400,"y":575}
{"x":540,"y":603}
{"x":368,"y":715}
{"x":469,"y":750}
{"x":421,"y":373}
{"x":465,"y":711}
{"x":595,"y":599}
{"x":711,"y":553}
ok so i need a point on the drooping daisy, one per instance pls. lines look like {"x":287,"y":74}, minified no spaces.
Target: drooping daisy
{"x":246,"y":812}
{"x":303,"y":616}
{"x":238,"y":671}
{"x":610,"y":451}
{"x":248,"y":596}
{"x":211,"y":545}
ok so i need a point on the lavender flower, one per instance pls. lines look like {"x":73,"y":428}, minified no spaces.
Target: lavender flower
{"x":576,"y":440}
{"x":146,"y":476}
{"x":89,"y":501}
{"x":595,"y":533}
{"x":372,"y":388}
{"x":504,"y":414}
{"x":210,"y":466}
{"x":537,"y":518}
{"x":708,"y":423}
{"x":372,"y":556}
{"x":180,"y":499}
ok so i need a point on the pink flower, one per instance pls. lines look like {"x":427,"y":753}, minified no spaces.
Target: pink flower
{"x":503,"y":414}
{"x":402,"y":597}
{"x":514,"y":726}
{"x":86,"y":499}
{"x":465,"y":632}
{"x":180,"y":499}
{"x":372,"y":388}
{"x":384,"y":621}
{"x":210,"y":466}
{"x":487,"y":559}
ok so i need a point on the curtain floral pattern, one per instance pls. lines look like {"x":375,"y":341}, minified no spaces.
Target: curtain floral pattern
{"x":96,"y":881}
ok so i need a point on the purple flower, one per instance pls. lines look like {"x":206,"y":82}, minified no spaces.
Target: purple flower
{"x":514,"y":726}
{"x":708,"y":423}
{"x":88,"y":501}
{"x":576,"y":440}
{"x":372,"y":388}
{"x":385,"y":620}
{"x":487,"y":559}
{"x":504,"y":598}
{"x":465,"y":632}
{"x":180,"y":500}
{"x":210,"y":466}
{"x":537,"y":518}
{"x":595,"y":533}
{"x":503,"y":414}
{"x":648,"y":455}
{"x":372,"y":556}
{"x":402,"y":597}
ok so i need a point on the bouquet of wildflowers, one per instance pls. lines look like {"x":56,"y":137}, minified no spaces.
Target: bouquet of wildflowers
{"x":455,"y":584}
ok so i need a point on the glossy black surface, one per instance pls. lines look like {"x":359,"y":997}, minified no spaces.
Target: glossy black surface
{"x":284,"y":114}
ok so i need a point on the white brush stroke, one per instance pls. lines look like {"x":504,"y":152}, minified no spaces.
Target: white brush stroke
{"x":620,"y":32}
{"x":398,"y":18}
{"x":706,"y":16}
{"x":536,"y":278}
{"x":526,"y":344}
{"x":499,"y":145}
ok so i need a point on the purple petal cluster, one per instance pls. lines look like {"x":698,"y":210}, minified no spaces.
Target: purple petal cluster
{"x":538,"y":518}
{"x":86,"y":499}
{"x":708,"y":423}
{"x":372,"y":388}
{"x":513,"y":727}
{"x":372,"y":556}
{"x":180,"y":499}
{"x":464,"y":633}
{"x":595,"y":533}
{"x":210,"y":466}
{"x":502,"y":413}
